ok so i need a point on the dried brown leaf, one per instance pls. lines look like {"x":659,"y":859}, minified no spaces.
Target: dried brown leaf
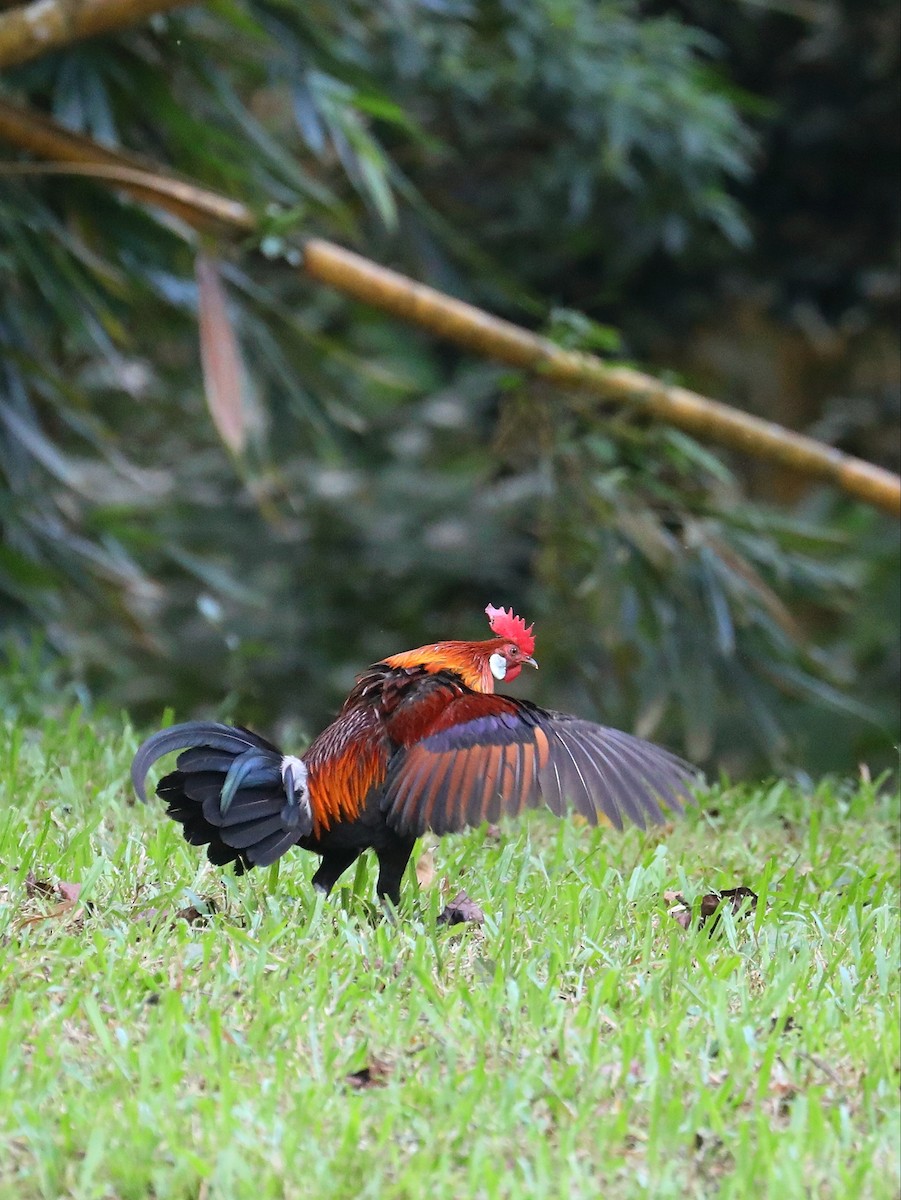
{"x":195,"y":916}
{"x":220,"y":357}
{"x":787,"y":1027}
{"x":58,"y":910}
{"x":67,"y":906}
{"x":461,"y":910}
{"x":38,"y":887}
{"x":737,"y":895}
{"x":708,"y":905}
{"x":680,"y":912}
{"x":425,"y":869}
{"x":375,"y":1074}
{"x":153,"y":916}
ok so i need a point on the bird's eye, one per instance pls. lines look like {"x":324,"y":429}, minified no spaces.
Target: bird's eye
{"x":513,"y":651}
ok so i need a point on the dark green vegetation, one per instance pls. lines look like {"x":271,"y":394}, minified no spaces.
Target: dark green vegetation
{"x":703,"y":188}
{"x":580,"y":1043}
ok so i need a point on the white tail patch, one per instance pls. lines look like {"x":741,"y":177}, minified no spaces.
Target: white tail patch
{"x":294,"y":778}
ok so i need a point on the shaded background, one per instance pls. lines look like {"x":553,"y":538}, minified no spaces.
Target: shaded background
{"x":708,"y":190}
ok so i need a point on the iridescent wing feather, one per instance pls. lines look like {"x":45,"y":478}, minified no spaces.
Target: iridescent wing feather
{"x":508,"y":755}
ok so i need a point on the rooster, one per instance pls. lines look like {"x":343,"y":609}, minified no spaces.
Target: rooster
{"x":423,"y":742}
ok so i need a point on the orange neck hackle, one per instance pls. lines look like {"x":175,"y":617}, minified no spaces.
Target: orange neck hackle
{"x":469,"y":660}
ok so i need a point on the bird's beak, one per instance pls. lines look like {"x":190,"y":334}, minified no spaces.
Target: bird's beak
{"x":530,"y":662}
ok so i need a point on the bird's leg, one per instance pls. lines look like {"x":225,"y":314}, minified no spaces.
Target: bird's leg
{"x":334,"y":864}
{"x":393,"y":860}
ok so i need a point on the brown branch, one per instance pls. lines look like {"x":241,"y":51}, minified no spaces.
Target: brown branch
{"x":471,"y":327}
{"x":32,"y":29}
{"x":141,"y":178}
{"x":687,"y":410}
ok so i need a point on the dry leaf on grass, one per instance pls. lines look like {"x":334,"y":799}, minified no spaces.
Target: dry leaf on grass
{"x":708,"y":905}
{"x":68,"y":905}
{"x":461,"y":910}
{"x":425,"y":869}
{"x":38,"y":887}
{"x":786,"y":1027}
{"x":194,"y":915}
{"x":375,"y":1074}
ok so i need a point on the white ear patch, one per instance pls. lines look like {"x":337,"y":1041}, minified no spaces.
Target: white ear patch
{"x":498,"y":665}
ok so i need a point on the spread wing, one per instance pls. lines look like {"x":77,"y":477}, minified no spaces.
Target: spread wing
{"x":491,"y":756}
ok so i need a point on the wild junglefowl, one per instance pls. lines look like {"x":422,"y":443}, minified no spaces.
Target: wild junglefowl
{"x":422,"y":742}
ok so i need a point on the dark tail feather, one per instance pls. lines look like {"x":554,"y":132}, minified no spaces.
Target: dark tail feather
{"x":191,"y":736}
{"x":228,"y":791}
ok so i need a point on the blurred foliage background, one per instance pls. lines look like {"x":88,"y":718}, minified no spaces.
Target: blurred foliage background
{"x":708,"y":190}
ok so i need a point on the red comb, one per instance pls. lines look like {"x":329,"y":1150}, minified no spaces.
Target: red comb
{"x":506,"y":625}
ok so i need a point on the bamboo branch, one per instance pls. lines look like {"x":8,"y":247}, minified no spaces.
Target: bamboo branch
{"x":707,"y":419}
{"x":32,"y":29}
{"x":468,"y":326}
{"x":141,"y":178}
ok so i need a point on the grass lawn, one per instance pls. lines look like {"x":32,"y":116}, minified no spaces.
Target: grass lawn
{"x":581,"y":1043}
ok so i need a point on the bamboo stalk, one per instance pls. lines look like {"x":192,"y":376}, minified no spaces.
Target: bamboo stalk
{"x":30,"y":30}
{"x":467,"y":325}
{"x":141,"y":178}
{"x":707,"y":419}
